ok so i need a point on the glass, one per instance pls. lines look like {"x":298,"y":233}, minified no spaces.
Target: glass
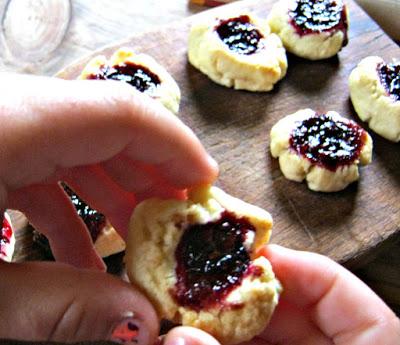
{"x":31,"y":31}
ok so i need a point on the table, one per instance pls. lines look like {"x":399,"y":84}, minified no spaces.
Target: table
{"x":78,"y":27}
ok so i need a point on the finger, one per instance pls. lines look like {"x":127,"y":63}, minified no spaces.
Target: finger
{"x":102,"y":194}
{"x":70,"y":305}
{"x":336,"y":299}
{"x":144,"y":180}
{"x":72,"y":123}
{"x":188,"y":336}
{"x":292,"y":325}
{"x":50,"y":211}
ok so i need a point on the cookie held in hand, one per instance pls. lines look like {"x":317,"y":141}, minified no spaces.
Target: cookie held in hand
{"x":140,"y":71}
{"x":237,"y":50}
{"x":196,"y":260}
{"x":375,"y":94}
{"x":323,"y":149}
{"x":312,"y":29}
{"x":7,"y":239}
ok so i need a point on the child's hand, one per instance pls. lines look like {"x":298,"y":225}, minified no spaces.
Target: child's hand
{"x":114,"y":146}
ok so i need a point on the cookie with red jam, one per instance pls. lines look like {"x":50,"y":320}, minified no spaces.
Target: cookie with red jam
{"x":375,"y":93}
{"x":311,"y":29}
{"x":140,"y":71}
{"x":7,"y":239}
{"x":324,"y":149}
{"x":197,"y":261}
{"x":237,"y":50}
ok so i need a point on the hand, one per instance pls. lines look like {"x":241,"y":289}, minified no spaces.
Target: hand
{"x":114,"y":147}
{"x":322,"y":303}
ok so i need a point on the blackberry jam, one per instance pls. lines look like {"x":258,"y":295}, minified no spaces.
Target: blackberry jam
{"x":140,"y":77}
{"x":389,"y":75}
{"x":328,"y":142}
{"x":211,"y":261}
{"x":310,"y":16}
{"x":94,"y":220}
{"x":240,"y":35}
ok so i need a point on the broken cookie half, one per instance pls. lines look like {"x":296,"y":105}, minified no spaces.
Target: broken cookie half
{"x":197,"y":261}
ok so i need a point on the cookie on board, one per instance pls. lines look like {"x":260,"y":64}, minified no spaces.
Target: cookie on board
{"x":375,"y":94}
{"x":238,"y":51}
{"x":323,"y":149}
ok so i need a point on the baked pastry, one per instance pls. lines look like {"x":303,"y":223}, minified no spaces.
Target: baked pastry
{"x":311,"y":29}
{"x":196,"y":260}
{"x":139,"y":70}
{"x":237,"y":50}
{"x":7,"y":239}
{"x":375,"y":94}
{"x":105,"y":238}
{"x":325,"y":149}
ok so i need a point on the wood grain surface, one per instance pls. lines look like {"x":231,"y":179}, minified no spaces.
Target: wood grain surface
{"x":354,"y":226}
{"x":234,"y":126}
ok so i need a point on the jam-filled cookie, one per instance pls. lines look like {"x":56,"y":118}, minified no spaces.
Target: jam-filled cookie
{"x":105,"y":238}
{"x":325,"y":149}
{"x":139,"y":70}
{"x":237,"y":51}
{"x":196,"y":260}
{"x":375,"y":93}
{"x":7,"y":239}
{"x":312,"y":29}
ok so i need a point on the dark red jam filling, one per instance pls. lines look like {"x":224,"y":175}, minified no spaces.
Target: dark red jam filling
{"x":328,"y":142}
{"x":390,"y":78}
{"x":240,"y":35}
{"x":140,"y":77}
{"x":211,"y":261}
{"x":94,"y":220}
{"x":311,"y":16}
{"x":5,"y":236}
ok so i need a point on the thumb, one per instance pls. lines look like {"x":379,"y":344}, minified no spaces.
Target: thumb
{"x":52,"y":301}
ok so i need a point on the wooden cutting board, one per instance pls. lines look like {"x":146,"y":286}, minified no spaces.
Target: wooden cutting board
{"x":234,"y":127}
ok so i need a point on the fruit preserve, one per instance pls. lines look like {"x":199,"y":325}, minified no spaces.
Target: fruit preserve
{"x":240,"y":35}
{"x":328,"y":142}
{"x":211,"y":261}
{"x":390,"y":78}
{"x":140,"y":77}
{"x":94,"y":220}
{"x":311,"y":16}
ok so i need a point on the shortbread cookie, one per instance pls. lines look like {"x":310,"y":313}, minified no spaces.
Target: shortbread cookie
{"x":375,"y":94}
{"x":324,"y":149}
{"x":197,"y":262}
{"x":237,"y":51}
{"x":312,"y":29}
{"x":7,"y":239}
{"x":139,"y":70}
{"x":105,"y":238}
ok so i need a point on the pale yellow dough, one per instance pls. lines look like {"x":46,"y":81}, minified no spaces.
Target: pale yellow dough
{"x":168,"y":92}
{"x":155,"y":231}
{"x":315,"y":46}
{"x":109,"y":242}
{"x":371,"y":101}
{"x":297,"y":168}
{"x":255,"y":72}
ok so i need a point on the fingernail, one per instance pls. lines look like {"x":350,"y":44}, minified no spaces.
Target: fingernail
{"x":213,"y":163}
{"x":130,"y":330}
